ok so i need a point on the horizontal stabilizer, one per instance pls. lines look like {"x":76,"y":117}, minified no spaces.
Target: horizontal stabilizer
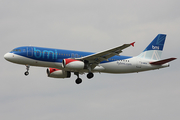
{"x":160,"y":62}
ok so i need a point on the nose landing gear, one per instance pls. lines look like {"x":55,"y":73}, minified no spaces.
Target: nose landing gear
{"x":27,"y":72}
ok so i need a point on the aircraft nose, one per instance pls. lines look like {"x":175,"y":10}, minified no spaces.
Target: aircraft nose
{"x":8,"y":56}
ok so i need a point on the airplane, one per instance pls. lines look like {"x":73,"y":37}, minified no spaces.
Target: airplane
{"x":61,"y":63}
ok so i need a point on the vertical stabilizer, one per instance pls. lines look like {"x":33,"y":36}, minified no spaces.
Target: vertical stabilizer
{"x":154,"y":50}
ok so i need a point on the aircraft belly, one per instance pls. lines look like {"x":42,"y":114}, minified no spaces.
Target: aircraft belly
{"x":28,"y":61}
{"x":111,"y":67}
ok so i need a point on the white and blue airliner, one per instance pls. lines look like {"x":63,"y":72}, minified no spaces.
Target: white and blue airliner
{"x":61,"y":63}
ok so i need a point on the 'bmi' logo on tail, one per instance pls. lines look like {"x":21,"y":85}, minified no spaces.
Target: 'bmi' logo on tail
{"x":154,"y":49}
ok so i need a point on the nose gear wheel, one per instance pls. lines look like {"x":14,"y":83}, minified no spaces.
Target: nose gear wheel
{"x":27,"y":68}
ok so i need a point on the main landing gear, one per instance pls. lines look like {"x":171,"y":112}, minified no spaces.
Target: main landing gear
{"x":27,"y":72}
{"x":90,"y":75}
{"x":79,"y":80}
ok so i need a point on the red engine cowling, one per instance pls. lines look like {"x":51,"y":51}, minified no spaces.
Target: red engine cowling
{"x":56,"y":73}
{"x":73,"y":64}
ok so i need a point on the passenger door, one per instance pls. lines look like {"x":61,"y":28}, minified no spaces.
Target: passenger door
{"x":30,"y":51}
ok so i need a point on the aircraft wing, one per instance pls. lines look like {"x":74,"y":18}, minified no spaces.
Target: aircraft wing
{"x":105,"y":55}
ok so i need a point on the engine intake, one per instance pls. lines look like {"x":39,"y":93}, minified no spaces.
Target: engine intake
{"x":73,"y":64}
{"x":56,"y":73}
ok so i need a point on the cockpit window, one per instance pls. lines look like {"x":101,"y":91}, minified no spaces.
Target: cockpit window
{"x":16,"y":50}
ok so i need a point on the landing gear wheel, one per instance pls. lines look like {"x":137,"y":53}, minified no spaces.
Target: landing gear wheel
{"x":90,"y":75}
{"x":26,"y":73}
{"x":78,"y":80}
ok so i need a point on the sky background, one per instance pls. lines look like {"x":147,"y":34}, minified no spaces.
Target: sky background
{"x":89,"y":25}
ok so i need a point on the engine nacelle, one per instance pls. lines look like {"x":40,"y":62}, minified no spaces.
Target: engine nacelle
{"x":56,"y":73}
{"x":73,"y":64}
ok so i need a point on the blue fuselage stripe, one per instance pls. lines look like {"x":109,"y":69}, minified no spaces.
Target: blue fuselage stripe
{"x":55,"y":55}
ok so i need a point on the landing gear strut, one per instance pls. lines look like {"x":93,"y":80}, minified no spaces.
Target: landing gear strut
{"x":90,"y":74}
{"x":78,"y":80}
{"x":27,"y":72}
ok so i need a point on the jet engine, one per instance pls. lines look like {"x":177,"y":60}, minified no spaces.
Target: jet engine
{"x":56,"y":73}
{"x":73,"y":64}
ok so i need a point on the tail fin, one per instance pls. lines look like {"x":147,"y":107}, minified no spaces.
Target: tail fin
{"x":154,"y":50}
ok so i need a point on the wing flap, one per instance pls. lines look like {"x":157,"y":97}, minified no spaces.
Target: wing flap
{"x":94,"y":59}
{"x":160,"y":62}
{"x":104,"y":55}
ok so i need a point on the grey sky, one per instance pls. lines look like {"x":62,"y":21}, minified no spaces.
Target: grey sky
{"x":89,"y":26}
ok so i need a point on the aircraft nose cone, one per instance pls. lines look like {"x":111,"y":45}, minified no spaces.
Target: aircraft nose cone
{"x":8,"y":56}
